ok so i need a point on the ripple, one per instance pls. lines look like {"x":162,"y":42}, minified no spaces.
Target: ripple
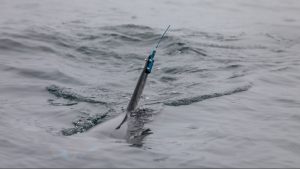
{"x":42,"y":74}
{"x":128,"y":28}
{"x":183,"y":48}
{"x":16,"y":46}
{"x":67,"y":93}
{"x":233,"y":66}
{"x":168,"y":79}
{"x":191,"y":100}
{"x":8,"y":44}
{"x":121,"y":37}
{"x":236,"y":47}
{"x":181,"y":69}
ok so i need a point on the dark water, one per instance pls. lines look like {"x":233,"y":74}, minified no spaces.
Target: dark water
{"x":224,"y":91}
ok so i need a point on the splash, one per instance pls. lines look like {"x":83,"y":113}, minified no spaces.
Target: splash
{"x":86,"y":123}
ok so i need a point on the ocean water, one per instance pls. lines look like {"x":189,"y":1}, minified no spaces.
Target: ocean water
{"x":224,"y":91}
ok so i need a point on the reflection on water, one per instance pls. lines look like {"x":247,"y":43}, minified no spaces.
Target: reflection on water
{"x":136,"y":132}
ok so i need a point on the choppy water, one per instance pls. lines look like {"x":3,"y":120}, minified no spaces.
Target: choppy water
{"x":224,"y":91}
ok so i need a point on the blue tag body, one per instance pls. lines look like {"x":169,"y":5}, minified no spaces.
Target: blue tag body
{"x":150,"y":62}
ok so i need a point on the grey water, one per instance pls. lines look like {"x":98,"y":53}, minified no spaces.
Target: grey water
{"x":224,"y":91}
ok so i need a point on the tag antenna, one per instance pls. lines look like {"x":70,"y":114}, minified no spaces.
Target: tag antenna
{"x":162,"y":36}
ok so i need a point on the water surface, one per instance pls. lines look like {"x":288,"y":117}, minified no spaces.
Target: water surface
{"x":224,"y":91}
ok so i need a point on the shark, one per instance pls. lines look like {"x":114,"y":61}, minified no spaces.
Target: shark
{"x":134,"y":131}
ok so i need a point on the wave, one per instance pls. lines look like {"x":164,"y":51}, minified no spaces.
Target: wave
{"x":6,"y":44}
{"x":128,"y":26}
{"x":45,"y":74}
{"x":121,"y":37}
{"x":191,"y":100}
{"x":176,"y":47}
{"x":17,"y":46}
{"x":219,"y":40}
{"x":182,"y":69}
{"x":93,"y":51}
{"x":67,"y":93}
{"x":223,"y":46}
{"x":43,"y":39}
